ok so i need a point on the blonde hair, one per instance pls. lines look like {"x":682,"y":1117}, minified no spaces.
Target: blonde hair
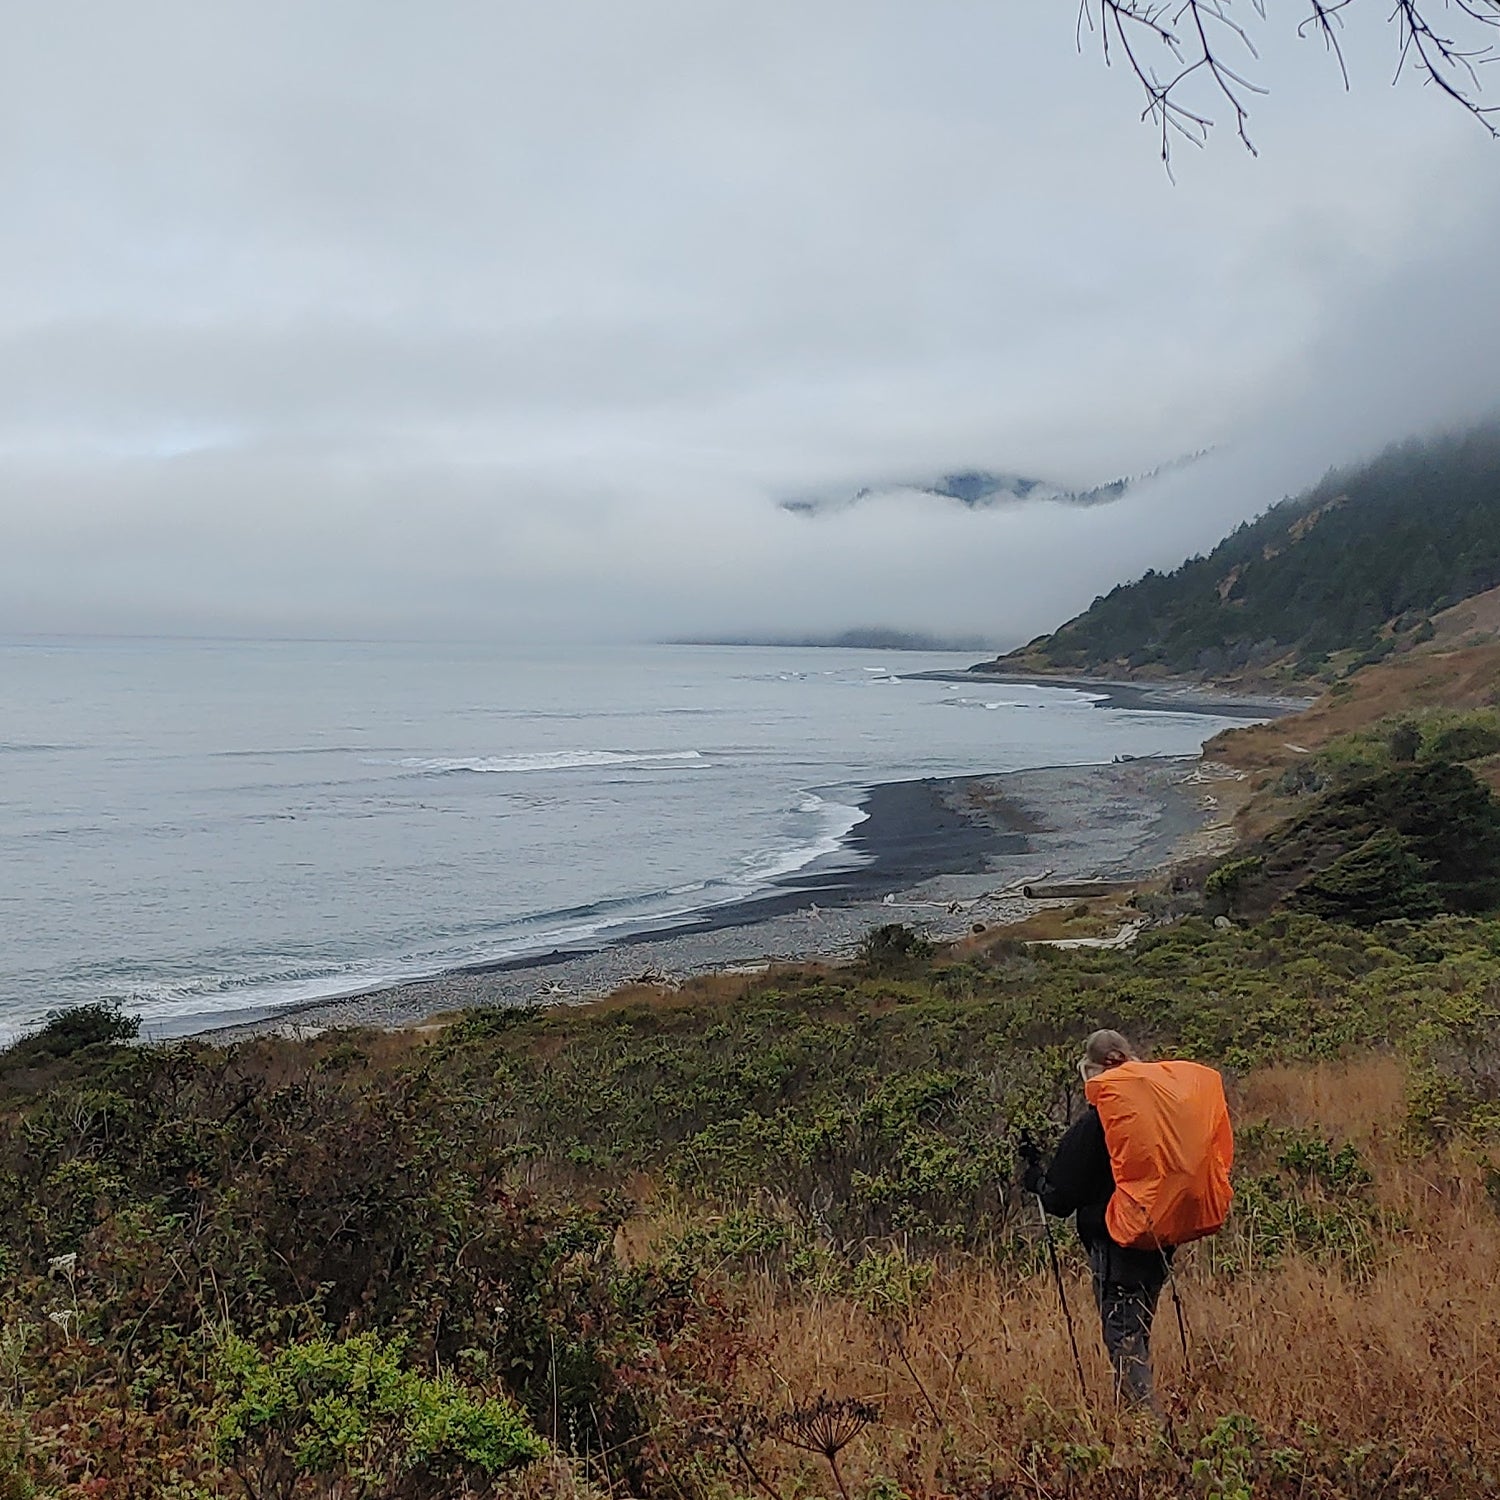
{"x":1108,"y":1049}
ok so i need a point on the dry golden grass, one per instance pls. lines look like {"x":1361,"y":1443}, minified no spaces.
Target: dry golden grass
{"x":1097,"y":916}
{"x":1399,"y":1346}
{"x":1359,"y":1099}
{"x":985,"y":1365}
{"x":1471,"y":622}
{"x":693,"y":992}
{"x":1463,"y":679}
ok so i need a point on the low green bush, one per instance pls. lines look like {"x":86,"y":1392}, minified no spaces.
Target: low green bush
{"x":352,"y":1412}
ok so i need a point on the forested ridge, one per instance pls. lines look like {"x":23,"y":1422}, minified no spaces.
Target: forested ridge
{"x":1336,"y":578}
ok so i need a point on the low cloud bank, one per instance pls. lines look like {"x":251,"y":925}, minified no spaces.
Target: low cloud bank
{"x":498,"y":329}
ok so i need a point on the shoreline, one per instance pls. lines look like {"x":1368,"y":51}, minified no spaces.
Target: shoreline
{"x":938,"y":854}
{"x":1165,"y":696}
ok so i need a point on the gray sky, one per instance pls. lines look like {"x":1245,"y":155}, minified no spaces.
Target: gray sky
{"x":505,"y":318}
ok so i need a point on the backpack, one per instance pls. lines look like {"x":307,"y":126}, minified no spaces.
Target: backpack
{"x":1166,"y":1125}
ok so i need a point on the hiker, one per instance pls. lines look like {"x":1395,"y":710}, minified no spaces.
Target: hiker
{"x":1138,"y":1191}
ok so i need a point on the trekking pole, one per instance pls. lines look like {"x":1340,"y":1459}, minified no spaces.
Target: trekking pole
{"x":1062,"y":1297}
{"x":1187,"y":1359}
{"x":1166,"y":1260}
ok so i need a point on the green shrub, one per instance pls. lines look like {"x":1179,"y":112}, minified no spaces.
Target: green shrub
{"x":66,"y":1032}
{"x":1469,"y":738}
{"x":1404,"y":741}
{"x":1376,"y":880}
{"x":893,"y":949}
{"x":352,"y":1411}
{"x":1226,"y":880}
{"x":1406,"y":842}
{"x":1311,"y":1159}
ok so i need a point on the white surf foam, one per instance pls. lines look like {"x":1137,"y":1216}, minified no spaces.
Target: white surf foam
{"x":990,"y":705}
{"x":1073,"y":701}
{"x":836,"y":820}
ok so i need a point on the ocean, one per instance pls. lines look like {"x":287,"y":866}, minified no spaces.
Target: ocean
{"x":204,"y":829}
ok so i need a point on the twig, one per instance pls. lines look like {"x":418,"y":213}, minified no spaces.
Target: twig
{"x":1195,"y":38}
{"x":900,"y":1343}
{"x":751,"y":1470}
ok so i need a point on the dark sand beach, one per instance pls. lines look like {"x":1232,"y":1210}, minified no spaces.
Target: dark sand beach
{"x":937,"y":854}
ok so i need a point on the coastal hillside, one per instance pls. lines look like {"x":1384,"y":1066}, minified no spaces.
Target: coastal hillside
{"x":761,"y":1235}
{"x":1377,"y":802}
{"x":1347,"y":574}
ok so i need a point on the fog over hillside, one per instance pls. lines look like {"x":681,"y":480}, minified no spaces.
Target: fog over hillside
{"x":506,"y":321}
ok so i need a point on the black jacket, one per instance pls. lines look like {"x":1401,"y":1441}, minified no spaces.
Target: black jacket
{"x":1080,"y":1181}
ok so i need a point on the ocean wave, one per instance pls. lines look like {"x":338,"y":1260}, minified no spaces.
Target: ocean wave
{"x":836,"y":821}
{"x":224,"y":997}
{"x":191,"y":1000}
{"x":554,"y":760}
{"x":1075,"y":700}
{"x":227,"y":998}
{"x":989,"y":704}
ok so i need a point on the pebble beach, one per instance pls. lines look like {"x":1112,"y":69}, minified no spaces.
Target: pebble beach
{"x":939,"y":855}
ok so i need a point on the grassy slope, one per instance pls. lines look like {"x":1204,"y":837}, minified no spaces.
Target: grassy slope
{"x":1422,"y":682}
{"x":669,"y":1224}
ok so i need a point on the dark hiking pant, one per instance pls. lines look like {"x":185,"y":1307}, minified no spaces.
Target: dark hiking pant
{"x":1126,"y":1309}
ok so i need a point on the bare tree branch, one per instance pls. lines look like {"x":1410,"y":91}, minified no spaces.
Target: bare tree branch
{"x":1187,"y":53}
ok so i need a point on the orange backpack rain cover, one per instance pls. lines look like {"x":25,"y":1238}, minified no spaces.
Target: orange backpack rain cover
{"x":1171,"y":1147}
